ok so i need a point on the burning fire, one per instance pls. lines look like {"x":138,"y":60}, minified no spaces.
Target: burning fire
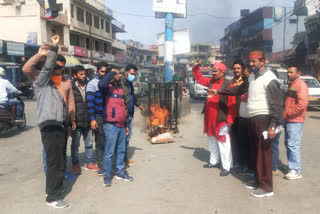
{"x":158,"y":115}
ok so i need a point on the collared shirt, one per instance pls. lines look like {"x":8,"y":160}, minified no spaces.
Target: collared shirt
{"x":238,"y":81}
{"x":4,"y":86}
{"x":82,"y":90}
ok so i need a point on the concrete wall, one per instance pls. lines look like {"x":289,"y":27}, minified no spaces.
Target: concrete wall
{"x":15,"y":23}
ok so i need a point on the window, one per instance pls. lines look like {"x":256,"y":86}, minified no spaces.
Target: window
{"x":102,"y":23}
{"x":96,"y":45}
{"x":105,"y":47}
{"x":75,"y":40}
{"x":96,"y":22}
{"x":107,"y":27}
{"x":88,"y":18}
{"x":88,"y":43}
{"x":72,"y":11}
{"x":80,"y":15}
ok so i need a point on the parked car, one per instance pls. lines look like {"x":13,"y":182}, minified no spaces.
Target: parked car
{"x":196,"y":90}
{"x":314,"y":90}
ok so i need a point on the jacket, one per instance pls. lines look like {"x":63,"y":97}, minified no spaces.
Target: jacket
{"x":82,"y":115}
{"x":65,"y":85}
{"x":94,"y":99}
{"x":296,"y":102}
{"x":130,"y":98}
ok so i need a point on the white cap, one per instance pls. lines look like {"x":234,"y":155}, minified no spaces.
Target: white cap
{"x":2,"y":72}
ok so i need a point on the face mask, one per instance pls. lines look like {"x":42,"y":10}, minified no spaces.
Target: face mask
{"x":56,"y":79}
{"x":131,"y":78}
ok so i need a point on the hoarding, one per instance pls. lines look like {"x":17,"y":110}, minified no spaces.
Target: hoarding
{"x":177,"y":7}
{"x":181,"y":42}
{"x":1,"y":46}
{"x":15,"y":49}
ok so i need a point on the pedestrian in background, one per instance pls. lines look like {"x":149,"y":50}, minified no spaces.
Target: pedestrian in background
{"x":79,"y":86}
{"x":95,"y":110}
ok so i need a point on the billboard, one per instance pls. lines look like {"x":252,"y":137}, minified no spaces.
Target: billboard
{"x":177,"y":7}
{"x":181,"y":42}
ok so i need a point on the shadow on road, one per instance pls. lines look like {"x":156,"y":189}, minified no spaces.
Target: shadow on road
{"x":14,"y":132}
{"x":314,"y":117}
{"x":132,"y":150}
{"x":199,"y":153}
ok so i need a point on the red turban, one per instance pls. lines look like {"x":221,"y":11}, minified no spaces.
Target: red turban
{"x":222,"y":67}
{"x":256,"y":55}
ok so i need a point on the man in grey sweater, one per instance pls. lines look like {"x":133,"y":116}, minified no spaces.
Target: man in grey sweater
{"x":52,"y":120}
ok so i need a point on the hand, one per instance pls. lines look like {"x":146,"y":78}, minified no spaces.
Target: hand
{"x":94,"y":125}
{"x":74,"y":125}
{"x":55,"y":39}
{"x":198,"y":62}
{"x":141,"y":107}
{"x":43,"y":50}
{"x":127,"y":131}
{"x":271,"y":133}
{"x":212,"y":92}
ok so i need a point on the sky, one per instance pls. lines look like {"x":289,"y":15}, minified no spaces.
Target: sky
{"x":142,"y":26}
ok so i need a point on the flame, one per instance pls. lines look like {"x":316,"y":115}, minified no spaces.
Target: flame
{"x":158,"y":115}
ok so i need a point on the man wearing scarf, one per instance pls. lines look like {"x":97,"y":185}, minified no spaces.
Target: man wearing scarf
{"x":219,"y":113}
{"x":265,"y":110}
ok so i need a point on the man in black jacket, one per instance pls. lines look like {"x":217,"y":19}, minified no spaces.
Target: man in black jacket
{"x":83,"y":123}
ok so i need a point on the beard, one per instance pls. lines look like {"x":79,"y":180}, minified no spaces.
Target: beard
{"x":82,"y":81}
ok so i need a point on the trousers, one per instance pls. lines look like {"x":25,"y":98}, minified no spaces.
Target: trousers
{"x":220,"y":152}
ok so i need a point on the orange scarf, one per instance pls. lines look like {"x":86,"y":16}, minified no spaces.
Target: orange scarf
{"x":56,"y":81}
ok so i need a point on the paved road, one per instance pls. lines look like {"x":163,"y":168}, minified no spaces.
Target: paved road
{"x":169,"y":178}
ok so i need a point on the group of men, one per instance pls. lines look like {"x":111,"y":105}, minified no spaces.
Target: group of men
{"x":250,"y":109}
{"x":102,"y":108}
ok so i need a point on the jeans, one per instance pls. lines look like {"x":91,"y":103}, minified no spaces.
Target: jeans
{"x":99,"y":139}
{"x":18,"y":106}
{"x":128,"y":137}
{"x":75,"y":143}
{"x":275,"y":152}
{"x":293,"y":136}
{"x":115,"y":144}
{"x":53,"y":139}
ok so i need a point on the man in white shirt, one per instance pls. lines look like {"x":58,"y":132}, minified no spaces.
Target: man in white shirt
{"x":6,"y":86}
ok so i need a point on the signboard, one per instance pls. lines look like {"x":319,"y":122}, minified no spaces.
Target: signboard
{"x":181,"y":42}
{"x":15,"y":49}
{"x":177,"y":7}
{"x":1,"y":46}
{"x":32,"y":38}
{"x":300,"y":8}
{"x":101,"y":56}
{"x":80,"y":51}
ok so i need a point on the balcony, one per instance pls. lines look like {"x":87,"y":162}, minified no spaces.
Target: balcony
{"x":119,"y":45}
{"x":117,"y":27}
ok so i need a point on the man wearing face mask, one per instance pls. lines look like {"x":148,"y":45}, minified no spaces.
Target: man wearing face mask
{"x":83,"y":123}
{"x":115,"y":126}
{"x":53,"y":121}
{"x":130,"y":75}
{"x":265,"y":109}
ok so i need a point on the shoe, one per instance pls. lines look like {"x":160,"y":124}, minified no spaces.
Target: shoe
{"x":224,"y":172}
{"x":292,"y":175}
{"x":260,"y":193}
{"x":125,"y":177}
{"x":276,"y":172}
{"x":130,"y":162}
{"x":58,"y":204}
{"x":251,"y":185}
{"x":100,"y":172}
{"x":69,"y":177}
{"x":76,"y":169}
{"x":107,"y":182}
{"x":209,"y":165}
{"x":92,"y":167}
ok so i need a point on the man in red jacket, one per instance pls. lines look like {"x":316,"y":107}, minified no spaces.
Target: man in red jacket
{"x":294,"y":117}
{"x":219,"y":116}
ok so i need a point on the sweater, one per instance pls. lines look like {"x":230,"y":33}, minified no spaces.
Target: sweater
{"x":82,"y":115}
{"x":94,"y":99}
{"x":296,"y":102}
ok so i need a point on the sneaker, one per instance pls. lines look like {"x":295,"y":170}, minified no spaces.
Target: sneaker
{"x":58,"y":204}
{"x":69,"y":177}
{"x":260,"y":193}
{"x":125,"y":177}
{"x":92,"y":167}
{"x":251,"y":185}
{"x":76,"y":169}
{"x":292,"y":175}
{"x":100,"y":172}
{"x":130,"y":162}
{"x":276,"y":172}
{"x":107,"y":182}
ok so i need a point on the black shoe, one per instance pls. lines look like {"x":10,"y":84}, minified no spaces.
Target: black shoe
{"x":224,"y":172}
{"x":209,"y":165}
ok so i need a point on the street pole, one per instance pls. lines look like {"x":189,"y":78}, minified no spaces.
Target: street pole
{"x":284,"y":29}
{"x":168,"y":58}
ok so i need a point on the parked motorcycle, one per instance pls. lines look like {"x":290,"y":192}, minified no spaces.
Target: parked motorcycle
{"x":27,"y":90}
{"x":8,"y":116}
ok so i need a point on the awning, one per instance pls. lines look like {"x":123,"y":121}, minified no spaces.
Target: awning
{"x":71,"y":61}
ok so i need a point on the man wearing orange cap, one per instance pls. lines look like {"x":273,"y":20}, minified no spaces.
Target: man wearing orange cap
{"x":265,"y":110}
{"x":219,"y":113}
